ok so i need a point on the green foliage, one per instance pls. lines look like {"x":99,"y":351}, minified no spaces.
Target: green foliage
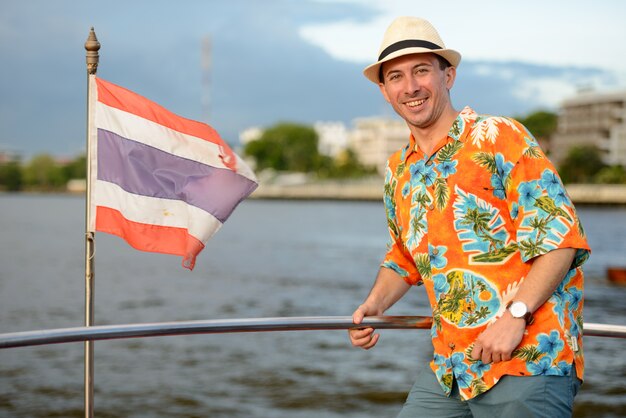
{"x":76,"y":169}
{"x":541,"y":123}
{"x":11,"y":176}
{"x":528,"y":353}
{"x":422,"y":261}
{"x":346,"y":165}
{"x":442,"y":193}
{"x":448,"y":151}
{"x":42,"y":173}
{"x":478,"y":387}
{"x":532,"y":152}
{"x":581,"y":164}
{"x":286,"y":147}
{"x":487,"y":160}
{"x":615,"y":174}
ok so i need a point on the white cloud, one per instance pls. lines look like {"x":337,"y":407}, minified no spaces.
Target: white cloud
{"x":501,"y":72}
{"x":548,"y":88}
{"x":345,"y":40}
{"x":559,"y":32}
{"x":546,"y":92}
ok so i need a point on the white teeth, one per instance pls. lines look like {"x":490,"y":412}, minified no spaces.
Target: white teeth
{"x":416,"y":103}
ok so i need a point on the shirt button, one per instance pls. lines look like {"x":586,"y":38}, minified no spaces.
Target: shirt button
{"x":435,"y":251}
{"x":429,"y":162}
{"x":452,"y":346}
{"x":431,"y":207}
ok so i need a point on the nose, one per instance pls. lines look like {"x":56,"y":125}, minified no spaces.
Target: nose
{"x":412,"y":86}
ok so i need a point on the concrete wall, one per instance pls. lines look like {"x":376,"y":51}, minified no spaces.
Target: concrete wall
{"x":601,"y":194}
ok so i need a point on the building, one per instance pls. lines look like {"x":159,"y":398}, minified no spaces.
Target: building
{"x":592,"y":118}
{"x":8,"y":156}
{"x":5,"y":157}
{"x":332,"y":138}
{"x":374,"y":139}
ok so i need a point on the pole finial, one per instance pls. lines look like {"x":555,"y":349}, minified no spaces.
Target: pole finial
{"x":92,"y":46}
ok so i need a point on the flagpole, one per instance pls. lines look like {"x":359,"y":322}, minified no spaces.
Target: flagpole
{"x":91,"y":46}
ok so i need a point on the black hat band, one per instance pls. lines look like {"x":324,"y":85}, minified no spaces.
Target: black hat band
{"x":408,"y":43}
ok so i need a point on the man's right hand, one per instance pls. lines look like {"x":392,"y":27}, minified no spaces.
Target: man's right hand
{"x":388,"y":288}
{"x":363,"y":337}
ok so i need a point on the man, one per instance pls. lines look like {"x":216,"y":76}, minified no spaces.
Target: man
{"x":478,"y":215}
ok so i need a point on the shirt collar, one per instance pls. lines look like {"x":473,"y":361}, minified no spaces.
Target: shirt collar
{"x":458,"y":132}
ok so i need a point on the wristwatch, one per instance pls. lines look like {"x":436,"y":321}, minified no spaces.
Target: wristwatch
{"x":520,"y":310}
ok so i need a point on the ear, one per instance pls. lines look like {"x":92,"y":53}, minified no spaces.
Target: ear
{"x":381,"y":86}
{"x":450,"y":77}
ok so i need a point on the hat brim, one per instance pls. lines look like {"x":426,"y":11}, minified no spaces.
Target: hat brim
{"x":372,"y":71}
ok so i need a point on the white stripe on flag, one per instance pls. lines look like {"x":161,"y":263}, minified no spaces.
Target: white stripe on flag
{"x":155,"y":211}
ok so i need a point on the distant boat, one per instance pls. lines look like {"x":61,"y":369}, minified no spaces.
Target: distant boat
{"x":616,"y":275}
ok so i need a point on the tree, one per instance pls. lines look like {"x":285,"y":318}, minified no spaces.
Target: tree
{"x":44,"y":173}
{"x":11,"y":176}
{"x":615,"y":174}
{"x":346,"y":165}
{"x":76,"y":169}
{"x":286,"y":147}
{"x":581,"y":164}
{"x":542,"y":124}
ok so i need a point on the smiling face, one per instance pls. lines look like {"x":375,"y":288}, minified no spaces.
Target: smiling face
{"x":418,"y":90}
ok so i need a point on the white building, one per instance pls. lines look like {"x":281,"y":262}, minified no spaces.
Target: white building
{"x":333,"y":138}
{"x":374,"y":140}
{"x":592,"y":118}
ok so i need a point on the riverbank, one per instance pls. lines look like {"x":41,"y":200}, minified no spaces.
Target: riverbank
{"x":371,"y":190}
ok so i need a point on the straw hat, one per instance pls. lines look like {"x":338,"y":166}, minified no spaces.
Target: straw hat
{"x":410,"y":35}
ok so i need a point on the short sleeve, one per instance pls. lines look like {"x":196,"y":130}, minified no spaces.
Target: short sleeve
{"x":543,"y":214}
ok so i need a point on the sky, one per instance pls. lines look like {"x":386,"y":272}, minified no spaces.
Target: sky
{"x":287,"y":60}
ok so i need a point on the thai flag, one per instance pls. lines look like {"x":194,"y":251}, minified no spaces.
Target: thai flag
{"x":161,"y":182}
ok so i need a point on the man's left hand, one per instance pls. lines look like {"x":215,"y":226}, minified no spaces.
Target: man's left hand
{"x":499,"y":340}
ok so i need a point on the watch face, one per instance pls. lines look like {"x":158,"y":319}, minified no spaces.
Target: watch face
{"x":518,"y":309}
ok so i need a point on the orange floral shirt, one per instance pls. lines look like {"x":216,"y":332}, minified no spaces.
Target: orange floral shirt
{"x":467,"y":222}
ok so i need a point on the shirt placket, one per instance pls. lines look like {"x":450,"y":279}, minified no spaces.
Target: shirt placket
{"x":436,"y":218}
{"x":432,"y":217}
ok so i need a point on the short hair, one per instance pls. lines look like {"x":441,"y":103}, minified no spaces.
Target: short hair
{"x":443,"y":64}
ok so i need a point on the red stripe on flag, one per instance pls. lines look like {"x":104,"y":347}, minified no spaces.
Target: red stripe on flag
{"x":148,"y":237}
{"x":128,"y":101}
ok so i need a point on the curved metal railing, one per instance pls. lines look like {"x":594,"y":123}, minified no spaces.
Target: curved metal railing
{"x":221,"y":326}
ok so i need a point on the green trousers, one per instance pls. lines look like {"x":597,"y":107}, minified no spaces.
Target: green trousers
{"x":511,"y":397}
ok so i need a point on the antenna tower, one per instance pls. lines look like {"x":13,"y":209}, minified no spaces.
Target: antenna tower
{"x":206,"y":78}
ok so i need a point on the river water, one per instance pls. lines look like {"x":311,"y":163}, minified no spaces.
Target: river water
{"x":272,"y":258}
